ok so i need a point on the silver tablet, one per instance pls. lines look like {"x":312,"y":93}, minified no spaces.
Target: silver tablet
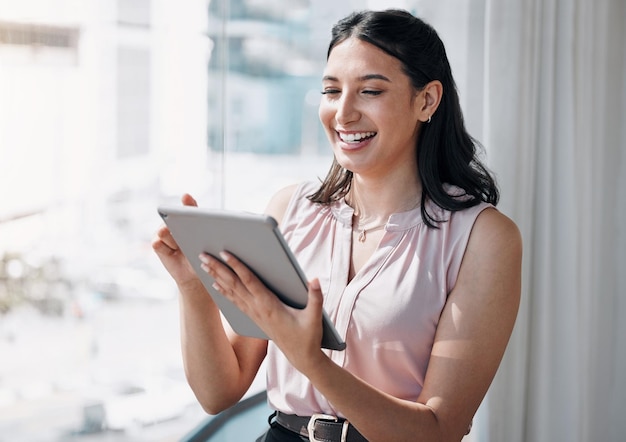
{"x":257,"y":241}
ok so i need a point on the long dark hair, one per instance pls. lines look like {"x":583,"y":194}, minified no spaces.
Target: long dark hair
{"x":446,"y":153}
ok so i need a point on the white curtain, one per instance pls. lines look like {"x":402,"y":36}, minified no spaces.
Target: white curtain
{"x":554,"y":124}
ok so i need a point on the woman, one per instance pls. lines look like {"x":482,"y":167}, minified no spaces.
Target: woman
{"x":414,"y":265}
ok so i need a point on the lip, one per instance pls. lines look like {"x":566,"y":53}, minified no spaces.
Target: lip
{"x":353,"y":146}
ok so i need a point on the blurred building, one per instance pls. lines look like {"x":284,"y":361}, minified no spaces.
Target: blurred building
{"x":104,"y":110}
{"x":268,"y":98}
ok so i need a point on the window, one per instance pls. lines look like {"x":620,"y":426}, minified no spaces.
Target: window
{"x":37,"y":43}
{"x":133,"y":12}
{"x":38,"y":35}
{"x":133,"y":101}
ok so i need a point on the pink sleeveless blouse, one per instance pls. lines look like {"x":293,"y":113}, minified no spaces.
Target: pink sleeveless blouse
{"x":388,"y":313}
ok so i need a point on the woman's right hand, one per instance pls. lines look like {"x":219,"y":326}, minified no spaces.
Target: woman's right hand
{"x":170,"y":254}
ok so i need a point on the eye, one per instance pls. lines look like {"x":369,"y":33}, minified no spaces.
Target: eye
{"x":330,"y":91}
{"x":372,"y":92}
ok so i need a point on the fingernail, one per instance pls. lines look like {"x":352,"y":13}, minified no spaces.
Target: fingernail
{"x":203,"y":258}
{"x":224,"y":256}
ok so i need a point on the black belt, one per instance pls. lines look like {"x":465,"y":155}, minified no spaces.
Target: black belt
{"x":320,"y":427}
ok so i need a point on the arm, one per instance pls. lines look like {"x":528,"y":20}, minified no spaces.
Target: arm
{"x":472,"y":335}
{"x":219,"y":364}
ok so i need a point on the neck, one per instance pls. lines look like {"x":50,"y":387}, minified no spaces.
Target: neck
{"x":374,"y":202}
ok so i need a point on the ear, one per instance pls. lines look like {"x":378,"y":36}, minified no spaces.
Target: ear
{"x":430,"y":97}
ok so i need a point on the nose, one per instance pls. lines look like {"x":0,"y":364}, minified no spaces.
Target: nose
{"x":347,"y":110}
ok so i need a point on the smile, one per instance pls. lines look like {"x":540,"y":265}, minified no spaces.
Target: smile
{"x":355,"y":137}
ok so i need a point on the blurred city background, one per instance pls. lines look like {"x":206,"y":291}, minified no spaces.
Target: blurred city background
{"x":108,"y":109}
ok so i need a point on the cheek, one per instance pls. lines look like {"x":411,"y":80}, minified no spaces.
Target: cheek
{"x":326,"y":114}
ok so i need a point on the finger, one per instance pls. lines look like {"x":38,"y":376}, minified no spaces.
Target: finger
{"x":223,"y":276}
{"x":250,"y":281}
{"x":165,"y":236}
{"x":188,"y":200}
{"x":160,"y":247}
{"x":226,"y":282}
{"x":315,"y":298}
{"x":218,"y":287}
{"x":246,"y":290}
{"x":313,"y":311}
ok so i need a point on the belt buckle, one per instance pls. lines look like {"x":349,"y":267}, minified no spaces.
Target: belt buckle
{"x":326,"y":417}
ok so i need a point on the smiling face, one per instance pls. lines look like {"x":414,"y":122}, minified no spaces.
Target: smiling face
{"x":369,"y":109}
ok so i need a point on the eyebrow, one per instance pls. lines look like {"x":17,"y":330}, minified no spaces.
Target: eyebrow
{"x":362,"y":78}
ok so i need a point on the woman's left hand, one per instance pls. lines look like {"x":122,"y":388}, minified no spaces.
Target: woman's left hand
{"x":297,"y":332}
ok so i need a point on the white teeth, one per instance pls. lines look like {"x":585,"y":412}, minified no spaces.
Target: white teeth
{"x":351,"y":138}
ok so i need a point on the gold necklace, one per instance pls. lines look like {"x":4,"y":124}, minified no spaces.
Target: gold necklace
{"x":363,"y":233}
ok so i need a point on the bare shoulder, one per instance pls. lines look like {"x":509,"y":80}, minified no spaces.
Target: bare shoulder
{"x":491,"y":268}
{"x":494,"y":232}
{"x":279,"y":202}
{"x":491,"y":265}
